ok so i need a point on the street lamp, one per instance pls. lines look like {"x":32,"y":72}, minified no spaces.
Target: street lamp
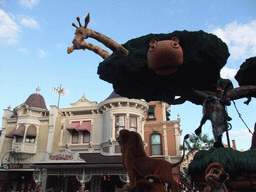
{"x":60,"y":91}
{"x":83,"y":178}
{"x":39,"y":176}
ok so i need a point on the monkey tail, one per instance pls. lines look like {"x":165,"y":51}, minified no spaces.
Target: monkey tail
{"x":179,"y":162}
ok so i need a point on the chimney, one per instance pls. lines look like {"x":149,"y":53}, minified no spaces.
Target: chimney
{"x":234,"y":144}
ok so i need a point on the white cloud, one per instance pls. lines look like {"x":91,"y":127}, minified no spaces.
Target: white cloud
{"x":29,"y":22}
{"x":41,"y":53}
{"x":240,"y":38}
{"x":28,"y":3}
{"x":8,"y":28}
{"x":23,"y":50}
{"x":228,"y":73}
{"x":242,"y":134}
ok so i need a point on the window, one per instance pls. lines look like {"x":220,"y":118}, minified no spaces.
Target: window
{"x":30,"y":140}
{"x":75,"y":136}
{"x":19,"y":139}
{"x":31,"y":134}
{"x":151,"y":113}
{"x":133,"y":124}
{"x":86,"y":137}
{"x":119,"y":124}
{"x":156,"y":144}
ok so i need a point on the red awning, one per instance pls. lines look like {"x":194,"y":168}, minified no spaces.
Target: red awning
{"x":20,"y":131}
{"x":73,"y":125}
{"x":86,"y":126}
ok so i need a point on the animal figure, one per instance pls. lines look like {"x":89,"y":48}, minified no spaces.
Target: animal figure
{"x":150,"y":183}
{"x":216,"y":113}
{"x":215,"y":178}
{"x":134,"y":158}
{"x":164,"y":57}
{"x":82,"y":32}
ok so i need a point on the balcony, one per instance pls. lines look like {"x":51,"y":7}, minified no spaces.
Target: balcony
{"x":28,"y":148}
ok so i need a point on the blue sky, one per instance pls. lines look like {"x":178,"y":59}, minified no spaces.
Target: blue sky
{"x":35,"y":34}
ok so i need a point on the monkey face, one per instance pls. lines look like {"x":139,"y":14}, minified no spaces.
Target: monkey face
{"x":211,"y":103}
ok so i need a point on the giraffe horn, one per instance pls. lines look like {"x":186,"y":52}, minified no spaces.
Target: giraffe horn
{"x":87,"y":20}
{"x":74,"y":25}
{"x":78,"y":19}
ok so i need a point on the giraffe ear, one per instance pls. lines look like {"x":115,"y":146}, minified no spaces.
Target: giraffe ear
{"x":87,"y":20}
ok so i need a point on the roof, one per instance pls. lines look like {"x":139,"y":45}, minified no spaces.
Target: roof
{"x":113,"y":95}
{"x":36,"y":100}
{"x":98,"y":158}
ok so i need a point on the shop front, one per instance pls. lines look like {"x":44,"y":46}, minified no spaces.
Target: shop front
{"x":17,"y":177}
{"x":96,"y":173}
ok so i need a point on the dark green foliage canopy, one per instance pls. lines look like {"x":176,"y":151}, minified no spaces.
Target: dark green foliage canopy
{"x":234,"y":162}
{"x":246,"y":73}
{"x":204,"y":56}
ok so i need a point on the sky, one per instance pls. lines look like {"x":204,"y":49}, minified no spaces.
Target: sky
{"x":35,"y":34}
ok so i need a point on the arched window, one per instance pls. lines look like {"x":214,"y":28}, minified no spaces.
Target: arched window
{"x":19,"y":133}
{"x":156,"y":143}
{"x":31,"y":134}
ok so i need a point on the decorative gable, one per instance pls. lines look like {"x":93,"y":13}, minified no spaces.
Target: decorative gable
{"x":83,"y":102}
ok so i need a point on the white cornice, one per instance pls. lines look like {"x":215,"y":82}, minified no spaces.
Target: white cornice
{"x":123,"y":102}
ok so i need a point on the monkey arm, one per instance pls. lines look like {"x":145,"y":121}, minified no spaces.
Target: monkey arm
{"x":203,"y":120}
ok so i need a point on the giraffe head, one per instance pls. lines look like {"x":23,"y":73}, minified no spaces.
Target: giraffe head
{"x":82,"y":32}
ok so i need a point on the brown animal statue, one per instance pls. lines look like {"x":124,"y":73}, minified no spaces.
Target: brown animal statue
{"x":134,"y":158}
{"x":150,"y":183}
{"x":82,"y":32}
{"x":164,"y":57}
{"x":215,"y":178}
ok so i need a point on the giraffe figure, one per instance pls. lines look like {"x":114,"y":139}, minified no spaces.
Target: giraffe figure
{"x":82,"y":32}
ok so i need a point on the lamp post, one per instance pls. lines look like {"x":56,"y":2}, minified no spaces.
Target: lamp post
{"x":39,"y":176}
{"x":83,"y":178}
{"x":60,"y":91}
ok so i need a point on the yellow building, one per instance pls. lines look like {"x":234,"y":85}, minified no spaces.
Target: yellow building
{"x":67,"y":148}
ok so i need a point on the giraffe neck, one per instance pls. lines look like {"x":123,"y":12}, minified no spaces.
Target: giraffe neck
{"x":108,"y":42}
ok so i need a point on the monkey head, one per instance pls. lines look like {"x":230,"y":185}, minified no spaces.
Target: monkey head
{"x":164,"y":57}
{"x":216,"y":175}
{"x":210,"y":103}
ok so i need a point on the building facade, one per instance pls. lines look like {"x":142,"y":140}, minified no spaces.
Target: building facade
{"x":69,"y":148}
{"x":162,"y":135}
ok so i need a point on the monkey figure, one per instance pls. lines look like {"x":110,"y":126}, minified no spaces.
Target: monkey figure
{"x":217,"y":114}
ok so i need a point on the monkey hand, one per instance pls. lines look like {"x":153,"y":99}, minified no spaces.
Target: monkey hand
{"x":198,"y":131}
{"x":229,"y":118}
